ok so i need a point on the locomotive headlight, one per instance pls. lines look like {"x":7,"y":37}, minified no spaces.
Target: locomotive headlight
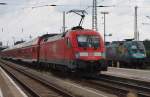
{"x":81,"y":54}
{"x":97,"y":54}
{"x":138,"y":55}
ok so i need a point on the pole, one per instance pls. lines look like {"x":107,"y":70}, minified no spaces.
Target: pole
{"x":104,"y":13}
{"x":22,"y":30}
{"x":104,"y":27}
{"x":136,"y":34}
{"x":94,"y":16}
{"x":2,"y":29}
{"x":13,"y":40}
{"x":7,"y":43}
{"x":64,"y":22}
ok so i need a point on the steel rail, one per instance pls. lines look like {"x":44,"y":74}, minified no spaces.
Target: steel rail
{"x":40,"y":80}
{"x":124,"y":85}
{"x":119,"y":84}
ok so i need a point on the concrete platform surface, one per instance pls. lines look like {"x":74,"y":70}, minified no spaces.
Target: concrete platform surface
{"x":8,"y":87}
{"x":143,"y":75}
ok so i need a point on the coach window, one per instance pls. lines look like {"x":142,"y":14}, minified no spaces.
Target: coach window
{"x":68,"y":43}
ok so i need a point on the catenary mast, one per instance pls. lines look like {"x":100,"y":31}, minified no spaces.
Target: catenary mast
{"x":94,"y":15}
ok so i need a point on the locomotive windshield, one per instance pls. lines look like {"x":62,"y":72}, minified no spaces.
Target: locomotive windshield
{"x":88,"y":41}
{"x":137,"y":46}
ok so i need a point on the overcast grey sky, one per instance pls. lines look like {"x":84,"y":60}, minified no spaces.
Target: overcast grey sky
{"x":19,"y":21}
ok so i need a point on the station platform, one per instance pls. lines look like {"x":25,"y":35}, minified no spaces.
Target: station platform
{"x":143,"y":75}
{"x":8,"y":87}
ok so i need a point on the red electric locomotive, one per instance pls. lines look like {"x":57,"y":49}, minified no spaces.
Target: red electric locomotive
{"x":76,"y":49}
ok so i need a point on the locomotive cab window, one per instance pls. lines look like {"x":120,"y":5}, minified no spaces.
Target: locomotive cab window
{"x":137,"y":47}
{"x":88,"y":41}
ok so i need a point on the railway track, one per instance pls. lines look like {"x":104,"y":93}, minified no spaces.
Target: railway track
{"x":115,"y":85}
{"x":33,"y":85}
{"x":121,"y":86}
